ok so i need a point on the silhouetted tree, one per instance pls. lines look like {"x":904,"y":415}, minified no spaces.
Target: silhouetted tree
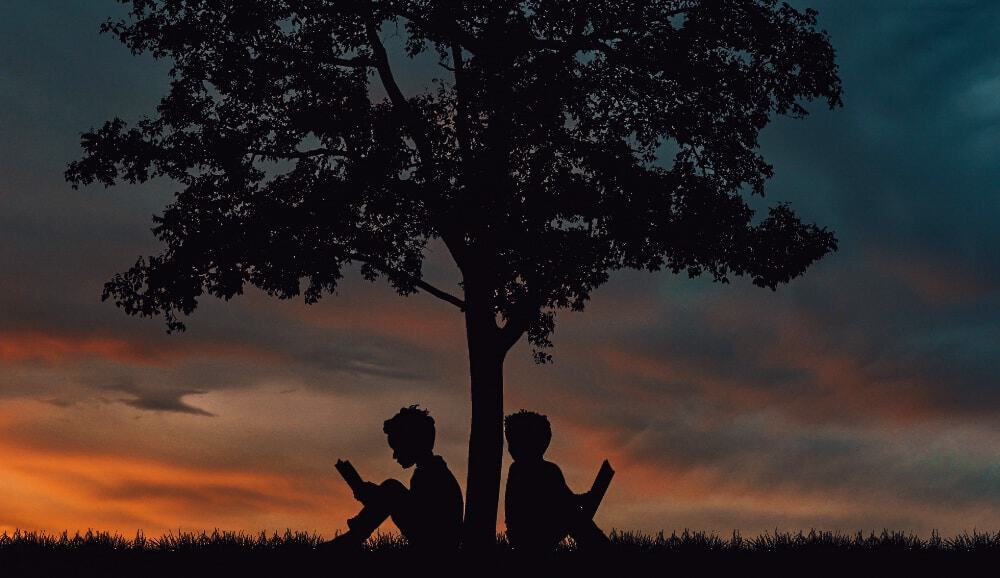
{"x":567,"y":139}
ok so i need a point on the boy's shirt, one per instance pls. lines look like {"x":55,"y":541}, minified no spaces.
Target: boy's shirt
{"x":434,"y":516}
{"x":538,"y":505}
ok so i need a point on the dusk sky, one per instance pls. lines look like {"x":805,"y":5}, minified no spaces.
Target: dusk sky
{"x":863,"y":395}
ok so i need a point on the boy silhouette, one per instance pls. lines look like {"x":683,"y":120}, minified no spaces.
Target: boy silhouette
{"x":540,"y":509}
{"x":429,"y":512}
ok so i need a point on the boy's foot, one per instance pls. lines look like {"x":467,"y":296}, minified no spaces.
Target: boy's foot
{"x":346,"y":543}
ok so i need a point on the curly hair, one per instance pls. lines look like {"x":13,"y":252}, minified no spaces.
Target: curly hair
{"x":412,"y":423}
{"x":528,"y":431}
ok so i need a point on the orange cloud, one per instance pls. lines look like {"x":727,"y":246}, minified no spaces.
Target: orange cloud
{"x":56,"y":489}
{"x":54,"y":349}
{"x":848,"y":389}
{"x":58,"y":349}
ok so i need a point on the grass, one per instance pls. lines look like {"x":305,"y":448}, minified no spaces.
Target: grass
{"x":218,"y":553}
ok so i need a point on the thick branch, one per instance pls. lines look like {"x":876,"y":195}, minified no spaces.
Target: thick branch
{"x":381,"y":62}
{"x":399,"y":101}
{"x":511,"y":334}
{"x":519,"y":321}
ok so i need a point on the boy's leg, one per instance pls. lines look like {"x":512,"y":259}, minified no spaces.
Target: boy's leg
{"x":368,"y":519}
{"x":371,"y":516}
{"x":398,"y":505}
{"x":587,"y":535}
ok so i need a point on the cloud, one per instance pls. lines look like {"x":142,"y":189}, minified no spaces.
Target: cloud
{"x":762,"y":472}
{"x":55,"y":490}
{"x":52,"y":349}
{"x":162,"y":400}
{"x":33,"y":348}
{"x":935,"y":279}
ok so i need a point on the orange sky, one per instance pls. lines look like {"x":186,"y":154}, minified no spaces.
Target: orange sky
{"x":259,"y":454}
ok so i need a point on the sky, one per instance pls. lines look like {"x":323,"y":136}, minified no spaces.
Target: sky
{"x":861,"y":396}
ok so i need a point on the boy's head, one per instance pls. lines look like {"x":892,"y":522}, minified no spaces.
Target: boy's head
{"x":411,"y":434}
{"x":528,"y":435}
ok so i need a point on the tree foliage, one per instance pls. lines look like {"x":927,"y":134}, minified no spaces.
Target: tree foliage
{"x":562,"y":140}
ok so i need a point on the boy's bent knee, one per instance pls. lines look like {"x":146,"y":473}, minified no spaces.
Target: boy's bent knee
{"x":392,"y":485}
{"x":393,"y":491}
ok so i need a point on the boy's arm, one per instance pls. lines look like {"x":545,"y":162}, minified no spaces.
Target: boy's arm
{"x":585,"y":500}
{"x":367,"y":492}
{"x":390,"y":492}
{"x":561,"y":492}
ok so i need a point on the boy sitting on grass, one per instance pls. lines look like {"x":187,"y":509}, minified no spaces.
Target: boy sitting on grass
{"x":429,"y":512}
{"x":540,"y":509}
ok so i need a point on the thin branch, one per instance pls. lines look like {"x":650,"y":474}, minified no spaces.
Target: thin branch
{"x":356,"y":62}
{"x":440,"y":294}
{"x":321,"y":152}
{"x":578,"y":41}
{"x":448,"y":28}
{"x":417,"y":281}
{"x":461,"y":122}
{"x":571,"y":45}
{"x":592,"y":42}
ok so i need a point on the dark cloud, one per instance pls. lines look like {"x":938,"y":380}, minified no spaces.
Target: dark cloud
{"x":165,"y":400}
{"x":760,"y":452}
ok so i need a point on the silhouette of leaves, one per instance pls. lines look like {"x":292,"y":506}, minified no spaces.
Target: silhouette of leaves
{"x":543,"y":161}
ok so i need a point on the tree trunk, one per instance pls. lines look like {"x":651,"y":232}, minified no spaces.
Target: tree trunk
{"x":482,"y":493}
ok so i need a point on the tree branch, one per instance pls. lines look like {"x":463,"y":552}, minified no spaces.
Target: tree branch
{"x":417,"y":282}
{"x":321,"y":152}
{"x":356,"y":62}
{"x":446,"y":27}
{"x":519,"y":322}
{"x":511,"y":333}
{"x":461,"y":122}
{"x":440,"y":294}
{"x":399,"y":101}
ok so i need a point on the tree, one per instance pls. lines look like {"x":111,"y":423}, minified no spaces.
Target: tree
{"x":564,"y":140}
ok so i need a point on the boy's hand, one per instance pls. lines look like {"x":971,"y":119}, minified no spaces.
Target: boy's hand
{"x":367,"y":493}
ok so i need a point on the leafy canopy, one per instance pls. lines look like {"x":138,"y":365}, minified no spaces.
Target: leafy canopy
{"x":562,"y":140}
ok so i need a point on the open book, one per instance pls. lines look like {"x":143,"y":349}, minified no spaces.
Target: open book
{"x":600,"y":487}
{"x":350,"y":475}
